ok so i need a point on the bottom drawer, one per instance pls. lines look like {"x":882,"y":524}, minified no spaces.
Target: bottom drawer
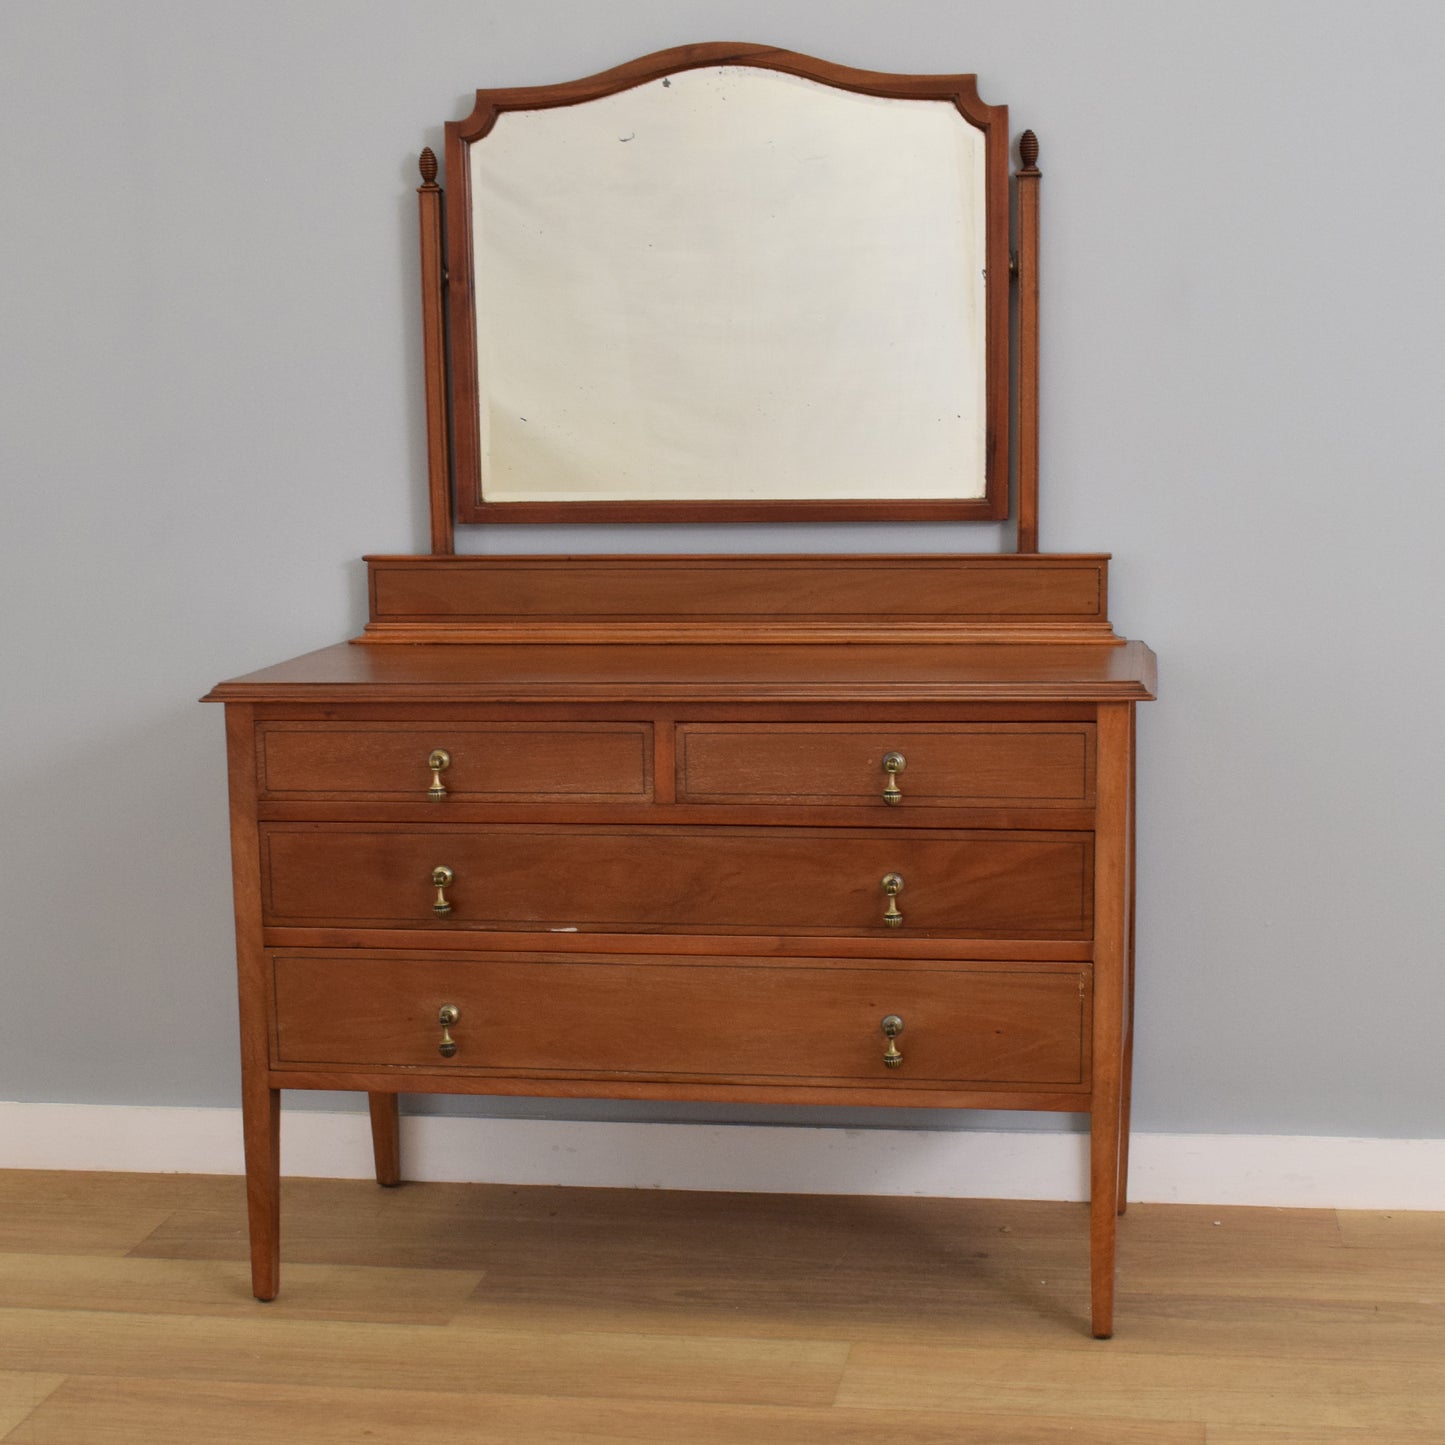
{"x":717,"y":1019}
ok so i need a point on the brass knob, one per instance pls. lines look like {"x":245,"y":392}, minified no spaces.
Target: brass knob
{"x":893,"y":764}
{"x":441,"y":877}
{"x":892,"y":1026}
{"x":438,"y":762}
{"x":447,"y":1015}
{"x":892,"y":886}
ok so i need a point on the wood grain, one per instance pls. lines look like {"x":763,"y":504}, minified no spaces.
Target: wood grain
{"x":884,"y":591}
{"x":139,"y":1285}
{"x":1026,"y":190}
{"x":570,"y":845}
{"x":1224,"y":1388}
{"x":510,"y":761}
{"x":686,"y":1019}
{"x":385,"y":1137}
{"x":90,"y":1227}
{"x":612,"y":1316}
{"x":684,"y":880}
{"x":712,"y":599}
{"x":1354,"y":1275}
{"x":98,"y":1410}
{"x":1319,"y":1435}
{"x":346,"y":1355}
{"x":430,"y":232}
{"x":1391,"y":1229}
{"x":761,"y":673}
{"x":260,"y":1101}
{"x":1111,"y":901}
{"x":21,"y":1393}
{"x":824,"y":950}
{"x":959,"y":765}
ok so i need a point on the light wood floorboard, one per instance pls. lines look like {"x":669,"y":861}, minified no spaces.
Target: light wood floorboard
{"x":1317,"y":1435}
{"x":99,"y":1411}
{"x":21,"y":1393}
{"x":456,"y":1313}
{"x":1227,"y":1389}
{"x":345,"y":1355}
{"x":1402,"y":1229}
{"x":374,"y":1294}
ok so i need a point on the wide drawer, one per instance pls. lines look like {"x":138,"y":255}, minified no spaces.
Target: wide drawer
{"x":552,"y":762}
{"x":693,"y":1018}
{"x":783,"y":880}
{"x":937,"y":765}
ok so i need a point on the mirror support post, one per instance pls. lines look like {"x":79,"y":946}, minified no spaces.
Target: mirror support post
{"x":1026,"y":184}
{"x":434,"y":353}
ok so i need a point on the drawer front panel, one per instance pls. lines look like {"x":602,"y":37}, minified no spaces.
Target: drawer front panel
{"x":549,"y":762}
{"x":960,"y":765}
{"x":682,"y":879}
{"x":684,"y":1018}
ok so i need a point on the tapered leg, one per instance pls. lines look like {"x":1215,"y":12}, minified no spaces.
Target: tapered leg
{"x":1126,"y":1078}
{"x":386,"y":1138}
{"x":261,"y":1115}
{"x":1103,"y":1216}
{"x":1111,"y":967}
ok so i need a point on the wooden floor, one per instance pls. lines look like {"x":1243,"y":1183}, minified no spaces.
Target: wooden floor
{"x":462,"y":1313}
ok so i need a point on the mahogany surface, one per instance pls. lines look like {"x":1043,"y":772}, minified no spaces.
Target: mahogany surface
{"x":385,"y":1137}
{"x":823,"y":672}
{"x":1026,"y":189}
{"x":541,"y":1015}
{"x":434,"y":354}
{"x":887,"y":596}
{"x":667,"y":862}
{"x":664,"y":828}
{"x":681,"y":879}
{"x":947,"y":765}
{"x":494,"y":760}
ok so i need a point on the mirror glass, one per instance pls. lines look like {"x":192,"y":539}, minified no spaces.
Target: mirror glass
{"x":728,"y":284}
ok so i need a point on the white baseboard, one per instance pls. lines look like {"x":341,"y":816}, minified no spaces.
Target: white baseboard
{"x":1279,"y":1170}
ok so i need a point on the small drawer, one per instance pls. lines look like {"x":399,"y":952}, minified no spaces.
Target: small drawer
{"x":978,"y":883}
{"x":700,"y":1019}
{"x":962,"y":765}
{"x":497,"y":761}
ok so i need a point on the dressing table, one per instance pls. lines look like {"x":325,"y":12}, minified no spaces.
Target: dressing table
{"x":831,"y":829}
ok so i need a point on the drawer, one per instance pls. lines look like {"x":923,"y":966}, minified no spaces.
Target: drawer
{"x":552,"y":762}
{"x":693,"y":1018}
{"x":943,"y":765}
{"x":771,"y":880}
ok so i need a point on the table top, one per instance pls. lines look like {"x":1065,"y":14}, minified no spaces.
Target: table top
{"x":773,"y":672}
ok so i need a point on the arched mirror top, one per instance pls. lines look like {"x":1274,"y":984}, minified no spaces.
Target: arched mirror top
{"x":727,"y":283}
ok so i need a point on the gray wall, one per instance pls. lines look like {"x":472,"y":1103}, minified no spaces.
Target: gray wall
{"x":212,"y":408}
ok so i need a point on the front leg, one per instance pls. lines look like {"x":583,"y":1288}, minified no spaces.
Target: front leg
{"x":386,"y":1138}
{"x":1103,"y":1213}
{"x":261,"y":1119}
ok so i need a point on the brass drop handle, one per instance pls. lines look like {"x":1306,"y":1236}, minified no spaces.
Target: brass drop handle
{"x":893,"y":764}
{"x":441,"y":877}
{"x":438,"y":762}
{"x":892,"y":1026}
{"x":447,"y":1016}
{"x":892,"y":886}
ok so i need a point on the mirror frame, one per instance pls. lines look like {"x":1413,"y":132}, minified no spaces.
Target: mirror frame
{"x":960,"y":90}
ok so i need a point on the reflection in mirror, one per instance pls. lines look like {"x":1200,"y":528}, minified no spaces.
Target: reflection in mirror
{"x":730,"y":284}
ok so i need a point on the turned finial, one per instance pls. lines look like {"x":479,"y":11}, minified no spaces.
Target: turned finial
{"x":1029,"y":150}
{"x":427,"y":164}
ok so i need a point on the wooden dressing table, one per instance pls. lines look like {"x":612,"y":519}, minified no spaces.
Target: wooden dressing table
{"x":844,"y":830}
